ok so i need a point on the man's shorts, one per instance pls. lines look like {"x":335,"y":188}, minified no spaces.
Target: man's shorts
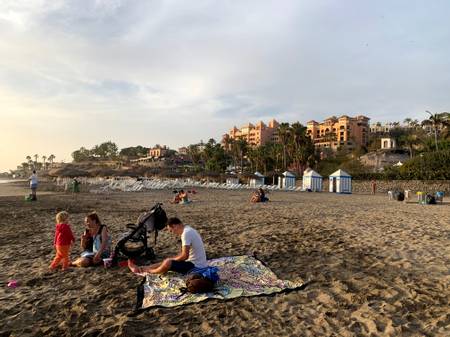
{"x":182,"y":267}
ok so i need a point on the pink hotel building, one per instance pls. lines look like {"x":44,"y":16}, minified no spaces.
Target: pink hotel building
{"x":332,"y":133}
{"x":255,"y":135}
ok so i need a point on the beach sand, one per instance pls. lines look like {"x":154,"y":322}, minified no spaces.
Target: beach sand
{"x":378,"y":267}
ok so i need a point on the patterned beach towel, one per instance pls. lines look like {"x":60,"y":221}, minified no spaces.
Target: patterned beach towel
{"x":239,"y":276}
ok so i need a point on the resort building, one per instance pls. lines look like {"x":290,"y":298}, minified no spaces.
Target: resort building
{"x":381,"y":128}
{"x":183,"y":150}
{"x":158,"y":151}
{"x":333,"y":132}
{"x":255,"y":135}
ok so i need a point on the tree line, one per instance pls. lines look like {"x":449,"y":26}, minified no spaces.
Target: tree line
{"x":295,"y":151}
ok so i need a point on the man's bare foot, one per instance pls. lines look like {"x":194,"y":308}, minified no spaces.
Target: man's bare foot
{"x":133,"y":267}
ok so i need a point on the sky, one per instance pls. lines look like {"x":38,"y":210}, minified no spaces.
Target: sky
{"x":78,"y":73}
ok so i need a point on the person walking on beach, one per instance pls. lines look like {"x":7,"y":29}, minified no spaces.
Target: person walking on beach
{"x":373,"y":185}
{"x":192,"y":253}
{"x":33,"y":185}
{"x":63,"y":240}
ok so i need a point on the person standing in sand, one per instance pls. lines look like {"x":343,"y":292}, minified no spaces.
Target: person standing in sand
{"x":33,"y":185}
{"x":373,"y":185}
{"x":63,"y":240}
{"x":192,"y":253}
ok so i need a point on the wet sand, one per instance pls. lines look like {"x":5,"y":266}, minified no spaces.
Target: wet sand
{"x":379,"y":267}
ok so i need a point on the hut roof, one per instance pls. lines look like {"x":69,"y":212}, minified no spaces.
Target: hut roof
{"x":340,"y":173}
{"x":258,"y":174}
{"x":311,"y":173}
{"x":289,"y":174}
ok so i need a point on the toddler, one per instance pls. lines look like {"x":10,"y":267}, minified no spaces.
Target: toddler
{"x":63,"y":240}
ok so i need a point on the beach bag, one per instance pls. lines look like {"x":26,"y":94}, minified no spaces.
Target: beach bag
{"x":430,"y":200}
{"x":201,"y":280}
{"x":198,"y":284}
{"x":399,"y":196}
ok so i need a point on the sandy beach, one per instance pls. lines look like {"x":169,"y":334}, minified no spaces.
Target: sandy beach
{"x":378,"y":267}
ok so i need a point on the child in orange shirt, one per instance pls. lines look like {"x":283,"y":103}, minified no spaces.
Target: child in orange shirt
{"x":63,"y":240}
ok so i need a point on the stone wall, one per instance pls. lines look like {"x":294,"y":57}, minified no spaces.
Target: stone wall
{"x":364,"y":186}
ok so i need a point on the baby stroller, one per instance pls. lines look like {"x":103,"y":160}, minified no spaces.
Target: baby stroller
{"x":133,"y":243}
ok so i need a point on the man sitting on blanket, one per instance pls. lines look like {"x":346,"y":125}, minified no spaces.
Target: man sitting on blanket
{"x":192,"y":253}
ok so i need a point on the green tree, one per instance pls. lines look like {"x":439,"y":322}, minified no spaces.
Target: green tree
{"x":215,"y":157}
{"x":301,"y":147}
{"x":51,"y":158}
{"x":194,"y":154}
{"x":437,"y":121}
{"x":106,"y":150}
{"x":283,"y":137}
{"x":80,"y":155}
{"x":239,"y":150}
{"x":134,"y":152}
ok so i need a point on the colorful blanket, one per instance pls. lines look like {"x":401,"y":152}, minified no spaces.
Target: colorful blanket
{"x":239,"y":276}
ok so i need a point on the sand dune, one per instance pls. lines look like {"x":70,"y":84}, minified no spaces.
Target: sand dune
{"x":379,"y":267}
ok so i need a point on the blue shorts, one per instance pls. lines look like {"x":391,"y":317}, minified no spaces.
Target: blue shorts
{"x":182,"y":267}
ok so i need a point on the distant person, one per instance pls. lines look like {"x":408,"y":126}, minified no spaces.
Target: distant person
{"x":33,"y":185}
{"x":75,"y":185}
{"x":373,"y":185}
{"x":63,"y":241}
{"x":192,"y":254}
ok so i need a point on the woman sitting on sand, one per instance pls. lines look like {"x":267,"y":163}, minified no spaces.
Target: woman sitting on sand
{"x":95,"y":242}
{"x":262,"y":195}
{"x":180,"y":198}
{"x":183,"y":197}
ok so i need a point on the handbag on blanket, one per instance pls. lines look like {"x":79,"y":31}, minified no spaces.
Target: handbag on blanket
{"x":197,"y":284}
{"x":202,"y":280}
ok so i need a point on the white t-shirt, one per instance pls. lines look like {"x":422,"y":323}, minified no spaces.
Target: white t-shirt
{"x":197,"y":255}
{"x":33,"y":180}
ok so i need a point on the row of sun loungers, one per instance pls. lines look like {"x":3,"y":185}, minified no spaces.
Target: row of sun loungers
{"x":135,"y":185}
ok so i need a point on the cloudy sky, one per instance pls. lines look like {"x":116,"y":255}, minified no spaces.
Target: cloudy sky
{"x":78,"y":73}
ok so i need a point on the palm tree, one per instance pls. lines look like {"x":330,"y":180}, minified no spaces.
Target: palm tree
{"x":410,"y":140}
{"x":194,"y":154}
{"x":240,"y":149}
{"x":51,"y":158}
{"x":283,"y":136}
{"x":36,"y":157}
{"x":436,"y":121}
{"x":30,"y":162}
{"x":44,"y":158}
{"x":301,"y":146}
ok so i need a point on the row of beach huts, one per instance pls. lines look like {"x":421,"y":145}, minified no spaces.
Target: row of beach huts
{"x":339,"y":182}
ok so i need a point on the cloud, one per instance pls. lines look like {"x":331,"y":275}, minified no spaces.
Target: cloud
{"x":172,"y":72}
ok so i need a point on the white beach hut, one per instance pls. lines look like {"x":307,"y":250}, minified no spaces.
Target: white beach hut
{"x":232,"y":181}
{"x":340,"y":182}
{"x":287,"y":181}
{"x":257,"y":180}
{"x":312,"y":181}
